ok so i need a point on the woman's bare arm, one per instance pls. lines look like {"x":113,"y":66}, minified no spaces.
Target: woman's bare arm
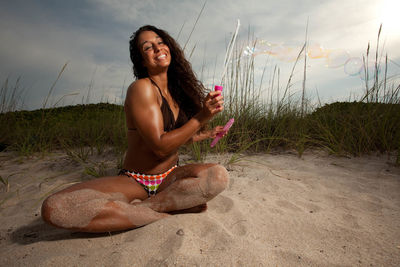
{"x":142,"y":106}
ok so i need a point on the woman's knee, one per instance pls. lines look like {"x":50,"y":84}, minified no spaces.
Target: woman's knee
{"x":46,"y":210}
{"x":221,"y":177}
{"x":73,"y":210}
{"x":216,"y":179}
{"x":49,"y":209}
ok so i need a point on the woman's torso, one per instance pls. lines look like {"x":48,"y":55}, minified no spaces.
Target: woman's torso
{"x":139,"y":157}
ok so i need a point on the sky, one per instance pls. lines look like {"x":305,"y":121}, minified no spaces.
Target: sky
{"x":92,"y":38}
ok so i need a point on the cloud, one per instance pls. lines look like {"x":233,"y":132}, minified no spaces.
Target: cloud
{"x":37,"y":50}
{"x":39,"y":37}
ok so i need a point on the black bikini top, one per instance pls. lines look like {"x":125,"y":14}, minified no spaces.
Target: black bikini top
{"x":168,"y":116}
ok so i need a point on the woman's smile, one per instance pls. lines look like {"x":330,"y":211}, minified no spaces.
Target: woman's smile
{"x":162,"y":57}
{"x":154,"y":50}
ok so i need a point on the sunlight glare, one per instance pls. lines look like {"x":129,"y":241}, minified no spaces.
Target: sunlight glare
{"x":389,"y":16}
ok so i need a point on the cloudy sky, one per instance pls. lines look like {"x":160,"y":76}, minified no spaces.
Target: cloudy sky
{"x":91,"y":36}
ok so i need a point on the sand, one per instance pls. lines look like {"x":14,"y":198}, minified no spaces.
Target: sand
{"x":279,"y":210}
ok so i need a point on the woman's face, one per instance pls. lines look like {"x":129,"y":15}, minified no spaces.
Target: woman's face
{"x":154,"y":51}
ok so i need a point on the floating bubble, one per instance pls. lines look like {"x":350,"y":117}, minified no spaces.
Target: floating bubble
{"x":288,"y":52}
{"x":249,"y":51}
{"x":353,"y":66}
{"x":368,"y":72}
{"x":316,"y":51}
{"x":337,"y":58}
{"x":284,"y":52}
{"x":268,"y":47}
{"x":274,"y":49}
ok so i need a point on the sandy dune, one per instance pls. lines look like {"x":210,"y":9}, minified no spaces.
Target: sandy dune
{"x":279,"y":210}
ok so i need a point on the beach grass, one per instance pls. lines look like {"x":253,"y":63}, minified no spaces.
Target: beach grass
{"x":263,"y":121}
{"x":342,"y":128}
{"x":80,"y":130}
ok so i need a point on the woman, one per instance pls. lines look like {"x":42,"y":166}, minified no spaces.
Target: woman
{"x":165,"y":109}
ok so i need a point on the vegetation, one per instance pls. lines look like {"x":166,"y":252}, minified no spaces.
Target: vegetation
{"x":342,"y":128}
{"x":80,"y":131}
{"x":370,"y":124}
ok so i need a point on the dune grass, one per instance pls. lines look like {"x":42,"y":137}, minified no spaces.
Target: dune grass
{"x":278,"y":121}
{"x":342,"y":128}
{"x":349,"y":128}
{"x":80,"y":130}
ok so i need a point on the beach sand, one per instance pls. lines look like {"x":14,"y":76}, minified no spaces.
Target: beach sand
{"x":279,"y":210}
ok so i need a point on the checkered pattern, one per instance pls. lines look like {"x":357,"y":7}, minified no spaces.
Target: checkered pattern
{"x":150,"y":183}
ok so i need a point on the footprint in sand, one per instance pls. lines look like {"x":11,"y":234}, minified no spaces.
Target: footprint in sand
{"x":371,"y":206}
{"x":168,"y":248}
{"x":237,"y":223}
{"x":351,"y":221}
{"x":231,"y":183}
{"x":221,"y":204}
{"x":239,"y":227}
{"x":287,"y":205}
{"x":312,"y":208}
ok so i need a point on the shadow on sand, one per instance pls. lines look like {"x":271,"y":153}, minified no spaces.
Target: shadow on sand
{"x":38,"y":231}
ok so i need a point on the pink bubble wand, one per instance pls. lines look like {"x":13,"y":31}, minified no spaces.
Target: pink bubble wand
{"x":227,"y":126}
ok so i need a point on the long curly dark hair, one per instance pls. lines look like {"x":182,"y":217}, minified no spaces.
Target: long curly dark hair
{"x":183,"y":85}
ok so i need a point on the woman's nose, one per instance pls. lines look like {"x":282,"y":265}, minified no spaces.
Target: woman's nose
{"x":156,"y":48}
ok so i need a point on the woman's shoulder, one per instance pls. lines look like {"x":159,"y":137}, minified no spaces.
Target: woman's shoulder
{"x":140,"y":84}
{"x":140,"y":88}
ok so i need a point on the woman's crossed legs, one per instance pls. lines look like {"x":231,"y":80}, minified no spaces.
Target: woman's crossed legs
{"x":119,"y":202}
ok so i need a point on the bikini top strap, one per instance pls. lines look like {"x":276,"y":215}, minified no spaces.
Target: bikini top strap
{"x":159,"y":90}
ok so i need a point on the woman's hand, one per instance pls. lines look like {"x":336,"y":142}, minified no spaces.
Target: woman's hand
{"x":212,"y":105}
{"x":217,"y":130}
{"x":209,"y":134}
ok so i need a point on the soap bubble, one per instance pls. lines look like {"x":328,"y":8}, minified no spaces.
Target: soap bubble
{"x":249,"y":51}
{"x":289,"y":51}
{"x":285,"y":52}
{"x":274,"y":49}
{"x":316,"y":51}
{"x":353,"y":66}
{"x":337,"y":58}
{"x":368,"y":72}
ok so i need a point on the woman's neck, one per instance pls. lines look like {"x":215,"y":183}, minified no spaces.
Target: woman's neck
{"x":161,"y":79}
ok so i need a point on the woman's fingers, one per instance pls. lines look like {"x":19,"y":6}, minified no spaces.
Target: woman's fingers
{"x":214,"y":102}
{"x":216,"y":130}
{"x":214,"y":97}
{"x":221,"y":130}
{"x":214,"y":94}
